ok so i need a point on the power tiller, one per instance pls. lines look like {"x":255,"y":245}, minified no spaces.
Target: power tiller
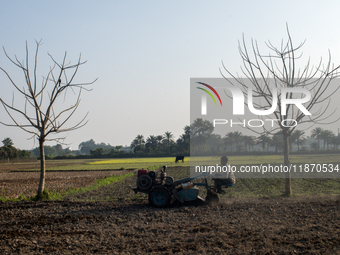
{"x":162,"y":189}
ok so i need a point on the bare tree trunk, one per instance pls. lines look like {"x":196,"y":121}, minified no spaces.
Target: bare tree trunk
{"x":288,"y":180}
{"x":42,"y":169}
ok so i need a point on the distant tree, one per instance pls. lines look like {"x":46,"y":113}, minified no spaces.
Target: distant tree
{"x":118,"y":147}
{"x":66,"y":151}
{"x":298,"y":138}
{"x":327,"y":136}
{"x":134,"y":145}
{"x":229,"y":140}
{"x":48,"y":151}
{"x":216,"y":143}
{"x":85,"y":147}
{"x":276,"y":142}
{"x":8,"y":152}
{"x":24,"y":154}
{"x":238,"y":138}
{"x":97,"y":152}
{"x":317,"y":134}
{"x":138,"y":143}
{"x":106,"y":147}
{"x":168,"y":139}
{"x":336,"y":142}
{"x":249,"y":142}
{"x":140,"y":139}
{"x":200,"y":131}
{"x":314,"y":146}
{"x":159,"y":140}
{"x":263,"y":139}
{"x":151,"y":143}
{"x":8,"y":142}
{"x":59,"y":149}
{"x":183,"y":142}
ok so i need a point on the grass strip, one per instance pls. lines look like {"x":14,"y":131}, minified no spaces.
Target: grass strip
{"x":99,"y":182}
{"x":58,"y":195}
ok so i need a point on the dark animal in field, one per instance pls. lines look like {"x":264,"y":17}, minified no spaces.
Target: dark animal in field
{"x":179,"y":158}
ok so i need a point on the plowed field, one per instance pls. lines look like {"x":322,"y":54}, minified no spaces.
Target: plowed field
{"x":120,"y":222}
{"x":258,"y":226}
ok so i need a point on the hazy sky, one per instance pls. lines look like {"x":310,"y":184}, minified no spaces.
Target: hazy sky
{"x":145,"y":52}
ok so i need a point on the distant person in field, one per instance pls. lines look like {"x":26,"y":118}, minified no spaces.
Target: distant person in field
{"x":225,"y":182}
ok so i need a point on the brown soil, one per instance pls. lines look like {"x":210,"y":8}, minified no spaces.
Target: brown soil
{"x":14,"y":184}
{"x":35,"y":164}
{"x":257,"y":226}
{"x":120,"y":222}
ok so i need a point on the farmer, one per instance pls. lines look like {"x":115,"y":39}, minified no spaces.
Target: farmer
{"x":226,"y":182}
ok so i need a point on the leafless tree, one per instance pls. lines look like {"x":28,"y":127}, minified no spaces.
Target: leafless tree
{"x":278,"y":70}
{"x":40,"y":113}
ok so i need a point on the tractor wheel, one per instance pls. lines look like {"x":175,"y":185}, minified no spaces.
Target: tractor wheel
{"x":144,"y":182}
{"x":160,"y":197}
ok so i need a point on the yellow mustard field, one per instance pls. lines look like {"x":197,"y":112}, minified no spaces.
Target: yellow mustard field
{"x":169,"y":160}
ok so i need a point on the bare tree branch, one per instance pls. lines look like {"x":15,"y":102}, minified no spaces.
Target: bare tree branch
{"x":46,"y":121}
{"x":279,"y":69}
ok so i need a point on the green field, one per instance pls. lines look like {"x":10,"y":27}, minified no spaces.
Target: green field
{"x":255,"y":187}
{"x":244,"y":188}
{"x":274,"y":159}
{"x":154,"y":163}
{"x":117,"y":164}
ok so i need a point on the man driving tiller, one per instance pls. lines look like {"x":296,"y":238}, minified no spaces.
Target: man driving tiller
{"x":225,"y":182}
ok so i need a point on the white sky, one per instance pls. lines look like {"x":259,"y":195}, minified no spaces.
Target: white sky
{"x":145,"y":52}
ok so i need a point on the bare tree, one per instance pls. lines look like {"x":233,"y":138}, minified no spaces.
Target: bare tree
{"x":39,"y":115}
{"x":267,"y":73}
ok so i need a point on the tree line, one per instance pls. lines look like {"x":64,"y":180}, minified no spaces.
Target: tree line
{"x":154,"y":145}
{"x":141,"y":146}
{"x":201,"y":135}
{"x":203,"y":139}
{"x":8,"y":151}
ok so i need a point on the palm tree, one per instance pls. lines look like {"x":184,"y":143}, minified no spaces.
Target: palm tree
{"x":168,"y":138}
{"x":229,"y":139}
{"x":159,"y":140}
{"x":298,"y":138}
{"x":138,"y":143}
{"x":249,"y":142}
{"x":326,"y":136}
{"x":141,"y":140}
{"x":277,"y":142}
{"x":238,"y":137}
{"x":200,"y":131}
{"x":336,"y":142}
{"x":8,"y":142}
{"x":134,"y":144}
{"x":314,"y":146}
{"x":151,"y":143}
{"x":183,"y":142}
{"x":316,"y":134}
{"x":264,"y":140}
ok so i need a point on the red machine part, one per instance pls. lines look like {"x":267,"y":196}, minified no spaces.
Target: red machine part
{"x":142,"y":172}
